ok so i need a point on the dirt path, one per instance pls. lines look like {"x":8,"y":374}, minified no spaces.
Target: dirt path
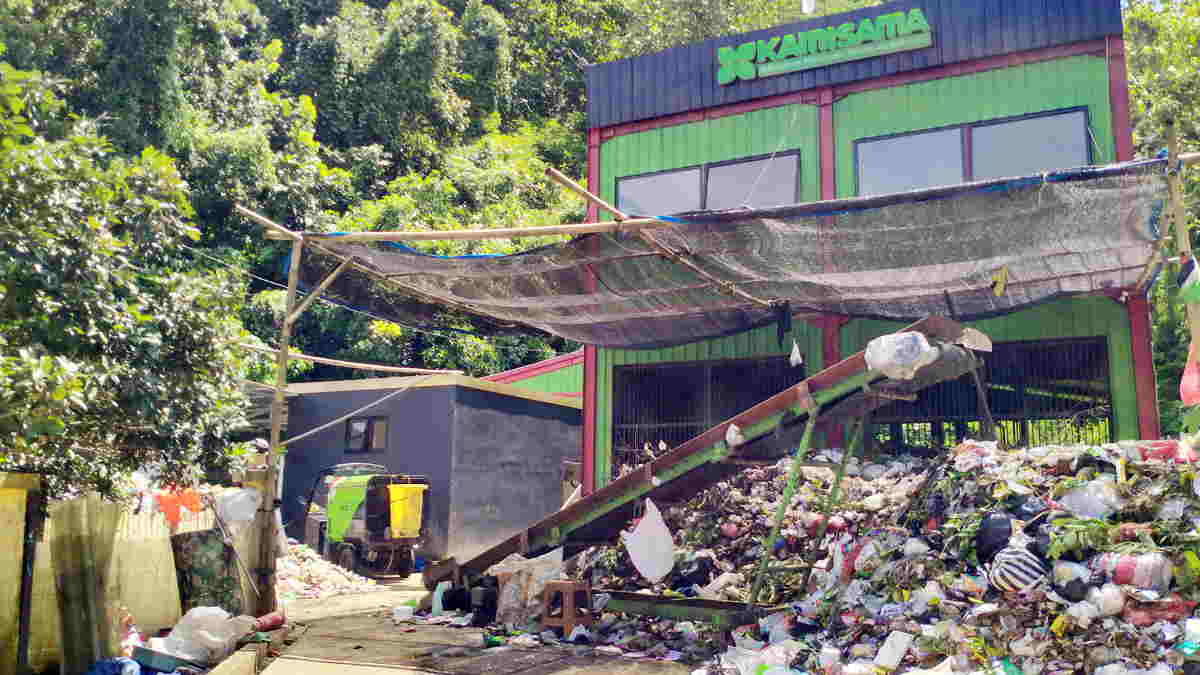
{"x":354,"y":635}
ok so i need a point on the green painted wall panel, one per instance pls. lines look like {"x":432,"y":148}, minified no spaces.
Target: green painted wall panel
{"x":1007,"y":92}
{"x":1087,"y":316}
{"x":760,"y":342}
{"x":567,"y":380}
{"x":761,"y":132}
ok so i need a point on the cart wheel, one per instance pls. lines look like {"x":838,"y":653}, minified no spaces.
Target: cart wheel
{"x":346,"y":558}
{"x":404,"y":562}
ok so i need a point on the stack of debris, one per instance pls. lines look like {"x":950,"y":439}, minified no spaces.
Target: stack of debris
{"x":1054,"y":559}
{"x":303,"y":573}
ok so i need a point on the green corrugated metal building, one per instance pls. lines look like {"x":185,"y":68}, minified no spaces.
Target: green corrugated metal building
{"x":1004,"y":89}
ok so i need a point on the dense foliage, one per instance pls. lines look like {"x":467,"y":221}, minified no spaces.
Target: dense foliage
{"x":114,"y":354}
{"x":321,"y":114}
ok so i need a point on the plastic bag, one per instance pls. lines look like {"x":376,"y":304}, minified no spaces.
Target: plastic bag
{"x":238,"y":507}
{"x":1189,"y":384}
{"x":1083,"y":613}
{"x":206,"y":634}
{"x":521,"y":596}
{"x":1149,"y":570}
{"x":650,"y":545}
{"x":900,"y":355}
{"x":777,"y":626}
{"x":744,"y":661}
{"x":1097,"y":499}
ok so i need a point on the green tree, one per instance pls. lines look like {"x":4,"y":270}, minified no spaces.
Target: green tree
{"x":114,"y":354}
{"x":1164,"y":73}
{"x":384,"y":77}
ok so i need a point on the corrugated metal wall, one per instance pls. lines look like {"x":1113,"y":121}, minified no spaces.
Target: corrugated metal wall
{"x":684,"y":78}
{"x":756,"y":343}
{"x":568,"y":380}
{"x":755,"y":133}
{"x":1065,"y":318}
{"x":1008,"y":92}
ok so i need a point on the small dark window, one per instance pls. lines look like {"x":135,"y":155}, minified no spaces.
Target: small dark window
{"x":756,"y":182}
{"x":366,"y":434}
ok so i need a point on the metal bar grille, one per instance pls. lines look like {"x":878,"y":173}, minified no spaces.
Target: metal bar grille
{"x":677,"y":401}
{"x":1040,"y":393}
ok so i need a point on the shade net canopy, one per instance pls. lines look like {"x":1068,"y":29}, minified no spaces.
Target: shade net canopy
{"x":900,"y":256}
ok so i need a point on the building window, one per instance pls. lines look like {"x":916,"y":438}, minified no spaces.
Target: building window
{"x":366,"y":434}
{"x":675,"y":402}
{"x":757,"y":182}
{"x":1007,"y":148}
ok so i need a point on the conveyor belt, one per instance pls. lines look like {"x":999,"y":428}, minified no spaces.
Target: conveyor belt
{"x":772,"y":429}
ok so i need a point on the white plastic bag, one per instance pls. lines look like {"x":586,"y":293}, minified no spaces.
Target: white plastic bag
{"x":1097,"y":499}
{"x":900,"y":355}
{"x":650,"y":545}
{"x":238,"y":507}
{"x":206,"y":634}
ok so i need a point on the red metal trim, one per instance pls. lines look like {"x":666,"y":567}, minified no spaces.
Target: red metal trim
{"x":1143,"y":365}
{"x":972,"y":67}
{"x":828,"y":145}
{"x":588,"y":470}
{"x":540,"y":368}
{"x":804,"y":97}
{"x":593,"y":172}
{"x":812,"y":96}
{"x":1118,"y":95}
{"x":831,"y":352}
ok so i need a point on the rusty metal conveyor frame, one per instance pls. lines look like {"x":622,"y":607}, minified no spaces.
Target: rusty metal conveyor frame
{"x":772,"y":430}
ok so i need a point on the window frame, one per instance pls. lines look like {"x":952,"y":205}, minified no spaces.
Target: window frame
{"x":966,"y":142}
{"x":704,"y":168}
{"x":368,"y":445}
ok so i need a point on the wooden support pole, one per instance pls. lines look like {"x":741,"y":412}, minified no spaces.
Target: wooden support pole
{"x":399,"y":370}
{"x":785,"y":502}
{"x":274,"y":229}
{"x":316,"y":292}
{"x":663,"y":249}
{"x":35,"y":506}
{"x":1183,"y":238}
{"x":558,"y":177}
{"x":497,"y":233}
{"x":266,"y":563}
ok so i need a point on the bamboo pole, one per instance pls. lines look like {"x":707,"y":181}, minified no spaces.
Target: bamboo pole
{"x":666,"y":251}
{"x":497,"y":233}
{"x":274,"y":230}
{"x":267,"y":600}
{"x":785,"y":502}
{"x":316,"y":292}
{"x":352,"y":364}
{"x":1183,"y":239}
{"x":585,"y":193}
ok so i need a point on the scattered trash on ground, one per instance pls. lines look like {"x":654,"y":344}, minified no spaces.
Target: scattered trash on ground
{"x":305,"y":574}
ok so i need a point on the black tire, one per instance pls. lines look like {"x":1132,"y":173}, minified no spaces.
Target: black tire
{"x":404,"y":562}
{"x":347,"y":558}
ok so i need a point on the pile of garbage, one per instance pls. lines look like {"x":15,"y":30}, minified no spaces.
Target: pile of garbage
{"x":304,"y":574}
{"x":1047,"y":560}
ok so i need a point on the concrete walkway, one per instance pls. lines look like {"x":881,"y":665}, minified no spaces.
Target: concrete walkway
{"x":355,"y":635}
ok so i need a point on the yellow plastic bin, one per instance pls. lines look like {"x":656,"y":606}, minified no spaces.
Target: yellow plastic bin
{"x":405,"y":501}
